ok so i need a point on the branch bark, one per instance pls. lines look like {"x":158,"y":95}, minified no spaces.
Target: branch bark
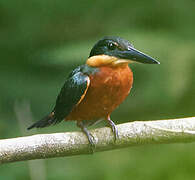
{"x":135,"y":133}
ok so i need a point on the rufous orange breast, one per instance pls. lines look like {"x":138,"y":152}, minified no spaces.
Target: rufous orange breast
{"x":108,"y":88}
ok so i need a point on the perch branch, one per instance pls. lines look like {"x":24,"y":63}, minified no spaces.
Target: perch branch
{"x":135,"y":133}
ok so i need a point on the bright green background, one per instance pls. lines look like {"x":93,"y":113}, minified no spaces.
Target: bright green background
{"x":41,"y":41}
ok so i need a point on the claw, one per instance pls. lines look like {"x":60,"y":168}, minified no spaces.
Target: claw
{"x":114,"y":128}
{"x":91,"y":140}
{"x":90,"y":137}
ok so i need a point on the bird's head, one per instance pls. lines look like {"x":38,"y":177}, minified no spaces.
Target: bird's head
{"x":115,"y":51}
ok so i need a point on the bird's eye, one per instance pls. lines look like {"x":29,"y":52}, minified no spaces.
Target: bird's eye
{"x":111,"y":46}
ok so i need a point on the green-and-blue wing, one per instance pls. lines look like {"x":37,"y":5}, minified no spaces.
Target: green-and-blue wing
{"x":71,"y":94}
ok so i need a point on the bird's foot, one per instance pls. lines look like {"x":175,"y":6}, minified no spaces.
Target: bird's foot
{"x":114,"y":128}
{"x":91,"y":140}
{"x":90,"y":137}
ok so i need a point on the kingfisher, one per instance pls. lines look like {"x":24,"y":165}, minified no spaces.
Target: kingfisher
{"x":92,"y":91}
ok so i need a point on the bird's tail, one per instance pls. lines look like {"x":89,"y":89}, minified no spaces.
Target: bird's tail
{"x":46,"y":121}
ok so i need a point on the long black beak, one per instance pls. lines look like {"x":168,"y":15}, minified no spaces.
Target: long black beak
{"x":135,"y":55}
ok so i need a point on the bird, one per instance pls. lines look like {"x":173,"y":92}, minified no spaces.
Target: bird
{"x":92,"y":91}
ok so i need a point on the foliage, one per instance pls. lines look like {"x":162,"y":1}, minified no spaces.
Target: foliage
{"x":41,"y":41}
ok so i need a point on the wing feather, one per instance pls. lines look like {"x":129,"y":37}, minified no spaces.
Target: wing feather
{"x":71,"y":94}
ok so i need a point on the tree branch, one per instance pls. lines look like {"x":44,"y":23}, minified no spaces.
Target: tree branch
{"x":75,"y":143}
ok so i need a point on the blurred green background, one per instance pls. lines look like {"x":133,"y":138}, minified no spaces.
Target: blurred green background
{"x":41,"y":41}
